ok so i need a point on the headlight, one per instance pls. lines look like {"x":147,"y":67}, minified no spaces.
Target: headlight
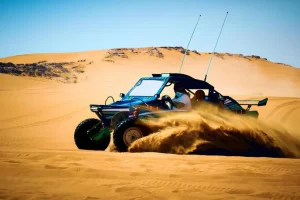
{"x":94,"y":108}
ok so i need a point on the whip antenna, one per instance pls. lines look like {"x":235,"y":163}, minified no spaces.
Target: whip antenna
{"x":214,"y":48}
{"x":188,"y":45}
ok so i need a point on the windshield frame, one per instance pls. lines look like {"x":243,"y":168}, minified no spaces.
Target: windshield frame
{"x":163,"y":79}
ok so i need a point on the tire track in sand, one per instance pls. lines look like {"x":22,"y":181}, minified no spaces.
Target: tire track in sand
{"x":46,"y":121}
{"x":212,"y":189}
{"x":32,"y":113}
{"x":276,"y":195}
{"x":288,"y":114}
{"x":203,"y":188}
{"x":275,"y":170}
{"x":281,"y":106}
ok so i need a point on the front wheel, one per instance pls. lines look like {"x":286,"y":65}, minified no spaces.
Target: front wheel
{"x":127,"y":132}
{"x":83,"y":141}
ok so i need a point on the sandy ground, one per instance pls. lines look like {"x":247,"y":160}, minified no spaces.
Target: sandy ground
{"x":39,"y":159}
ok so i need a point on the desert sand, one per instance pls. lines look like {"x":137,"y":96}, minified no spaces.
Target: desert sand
{"x":39,"y":159}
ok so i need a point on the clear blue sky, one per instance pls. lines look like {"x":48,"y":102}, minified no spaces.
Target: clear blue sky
{"x":268,"y":28}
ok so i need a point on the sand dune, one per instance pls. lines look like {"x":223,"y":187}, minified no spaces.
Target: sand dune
{"x":39,"y":159}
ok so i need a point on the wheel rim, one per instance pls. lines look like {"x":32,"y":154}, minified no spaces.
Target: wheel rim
{"x":131,"y":135}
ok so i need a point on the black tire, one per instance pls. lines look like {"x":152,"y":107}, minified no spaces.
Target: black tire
{"x":83,"y":141}
{"x":120,"y":130}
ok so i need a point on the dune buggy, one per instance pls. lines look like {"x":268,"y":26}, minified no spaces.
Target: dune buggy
{"x":124,"y":117}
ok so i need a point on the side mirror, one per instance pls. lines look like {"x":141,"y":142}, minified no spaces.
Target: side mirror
{"x":157,"y":96}
{"x":122,"y":95}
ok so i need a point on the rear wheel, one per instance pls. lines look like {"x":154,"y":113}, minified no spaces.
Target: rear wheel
{"x":83,"y":141}
{"x":127,"y":132}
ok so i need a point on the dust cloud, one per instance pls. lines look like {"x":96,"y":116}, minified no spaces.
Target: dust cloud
{"x":211,"y":130}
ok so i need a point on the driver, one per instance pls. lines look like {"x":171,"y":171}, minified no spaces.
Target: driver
{"x":182,"y":100}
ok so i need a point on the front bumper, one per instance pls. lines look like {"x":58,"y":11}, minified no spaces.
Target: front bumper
{"x":106,"y":112}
